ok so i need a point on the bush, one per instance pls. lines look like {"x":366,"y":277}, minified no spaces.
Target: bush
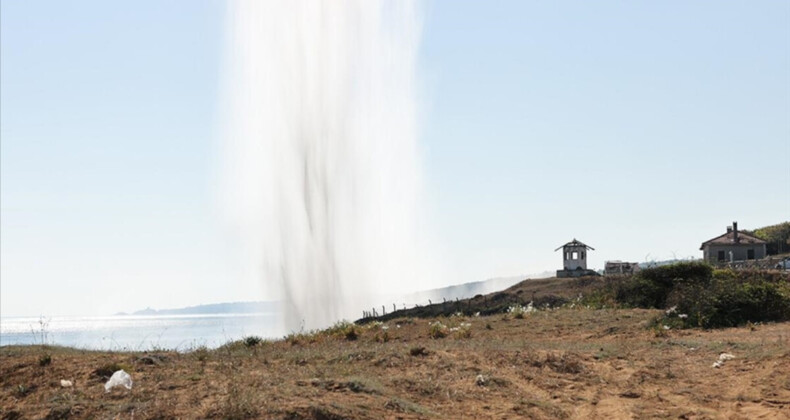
{"x":699,"y":296}
{"x":651,"y":287}
{"x":382,"y":336}
{"x":45,"y":359}
{"x":641,"y":293}
{"x":463,"y":331}
{"x":733,"y":302}
{"x":518,"y":310}
{"x":668,"y":275}
{"x":348,"y":330}
{"x":252,"y":341}
{"x":750,"y":302}
{"x":437,"y":330}
{"x":201,"y":353}
{"x":703,"y":297}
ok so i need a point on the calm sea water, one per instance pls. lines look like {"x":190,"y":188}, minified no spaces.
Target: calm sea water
{"x":136,"y":333}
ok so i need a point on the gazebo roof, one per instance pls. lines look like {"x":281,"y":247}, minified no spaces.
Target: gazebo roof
{"x":575,"y":243}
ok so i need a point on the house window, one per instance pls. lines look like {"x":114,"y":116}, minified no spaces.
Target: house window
{"x":575,"y":255}
{"x":750,"y":254}
{"x":721,"y":256}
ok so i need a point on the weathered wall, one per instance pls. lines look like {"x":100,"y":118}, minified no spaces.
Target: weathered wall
{"x":739,"y":252}
{"x":574,"y":263}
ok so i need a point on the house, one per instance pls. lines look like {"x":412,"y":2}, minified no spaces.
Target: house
{"x":574,"y":260}
{"x":733,"y":246}
{"x":617,"y":267}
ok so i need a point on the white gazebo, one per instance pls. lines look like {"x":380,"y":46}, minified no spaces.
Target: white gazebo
{"x":574,"y":259}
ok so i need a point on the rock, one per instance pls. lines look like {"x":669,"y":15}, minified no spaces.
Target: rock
{"x":481,"y":380}
{"x":631,"y":394}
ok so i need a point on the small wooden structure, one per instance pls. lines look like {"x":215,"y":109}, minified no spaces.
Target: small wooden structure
{"x":619,"y":268}
{"x":574,"y":259}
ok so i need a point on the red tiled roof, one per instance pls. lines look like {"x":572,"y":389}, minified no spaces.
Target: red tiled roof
{"x":729,"y":239}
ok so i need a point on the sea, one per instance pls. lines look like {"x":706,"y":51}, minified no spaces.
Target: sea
{"x":139,"y":332}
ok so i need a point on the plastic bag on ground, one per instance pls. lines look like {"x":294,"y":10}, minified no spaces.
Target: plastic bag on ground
{"x":119,"y":378}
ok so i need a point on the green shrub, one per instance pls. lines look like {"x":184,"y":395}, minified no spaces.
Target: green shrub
{"x":641,"y":293}
{"x":201,"y":353}
{"x":517,"y":310}
{"x":733,"y":303}
{"x":668,"y":275}
{"x":348,"y":330}
{"x":651,"y":287}
{"x":698,"y":296}
{"x":463,"y":330}
{"x":437,"y":330}
{"x":730,"y":298}
{"x":45,"y":359}
{"x":382,"y":336}
{"x":301,"y":338}
{"x":252,"y":341}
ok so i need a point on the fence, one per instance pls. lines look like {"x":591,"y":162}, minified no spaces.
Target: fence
{"x":764,"y":264}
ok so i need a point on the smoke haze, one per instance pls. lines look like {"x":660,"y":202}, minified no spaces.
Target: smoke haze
{"x":321,"y":171}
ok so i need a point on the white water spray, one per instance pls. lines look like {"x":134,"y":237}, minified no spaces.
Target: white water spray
{"x":321,"y":167}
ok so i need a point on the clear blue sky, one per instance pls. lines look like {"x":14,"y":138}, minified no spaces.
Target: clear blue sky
{"x":640,"y":128}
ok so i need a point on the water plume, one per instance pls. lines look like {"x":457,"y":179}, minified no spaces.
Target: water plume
{"x":320,"y":150}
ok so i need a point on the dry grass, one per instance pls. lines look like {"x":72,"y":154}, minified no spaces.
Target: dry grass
{"x":565,"y":363}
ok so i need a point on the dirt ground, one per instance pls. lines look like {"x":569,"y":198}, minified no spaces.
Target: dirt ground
{"x":571,"y":363}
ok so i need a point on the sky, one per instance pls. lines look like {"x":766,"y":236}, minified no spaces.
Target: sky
{"x":639,"y":128}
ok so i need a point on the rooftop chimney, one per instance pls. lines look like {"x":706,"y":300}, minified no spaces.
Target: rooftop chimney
{"x":729,"y":229}
{"x":735,"y":232}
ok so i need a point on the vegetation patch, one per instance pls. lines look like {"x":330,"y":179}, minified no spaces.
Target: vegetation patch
{"x":693,"y":294}
{"x":558,"y":362}
{"x":344,"y":329}
{"x":403,"y":406}
{"x":419,"y":351}
{"x":106,"y":370}
{"x":357,"y":385}
{"x":45,"y":360}
{"x":777,"y":236}
{"x":437,"y":330}
{"x":252,"y":341}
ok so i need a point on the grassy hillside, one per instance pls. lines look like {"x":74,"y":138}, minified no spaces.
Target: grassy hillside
{"x":435,"y":362}
{"x":700,"y":296}
{"x":564,"y":363}
{"x":553,"y":292}
{"x":777,"y":236}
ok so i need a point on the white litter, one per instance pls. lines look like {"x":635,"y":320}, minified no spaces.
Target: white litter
{"x":119,"y":378}
{"x":722,"y":358}
{"x":66,"y":384}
